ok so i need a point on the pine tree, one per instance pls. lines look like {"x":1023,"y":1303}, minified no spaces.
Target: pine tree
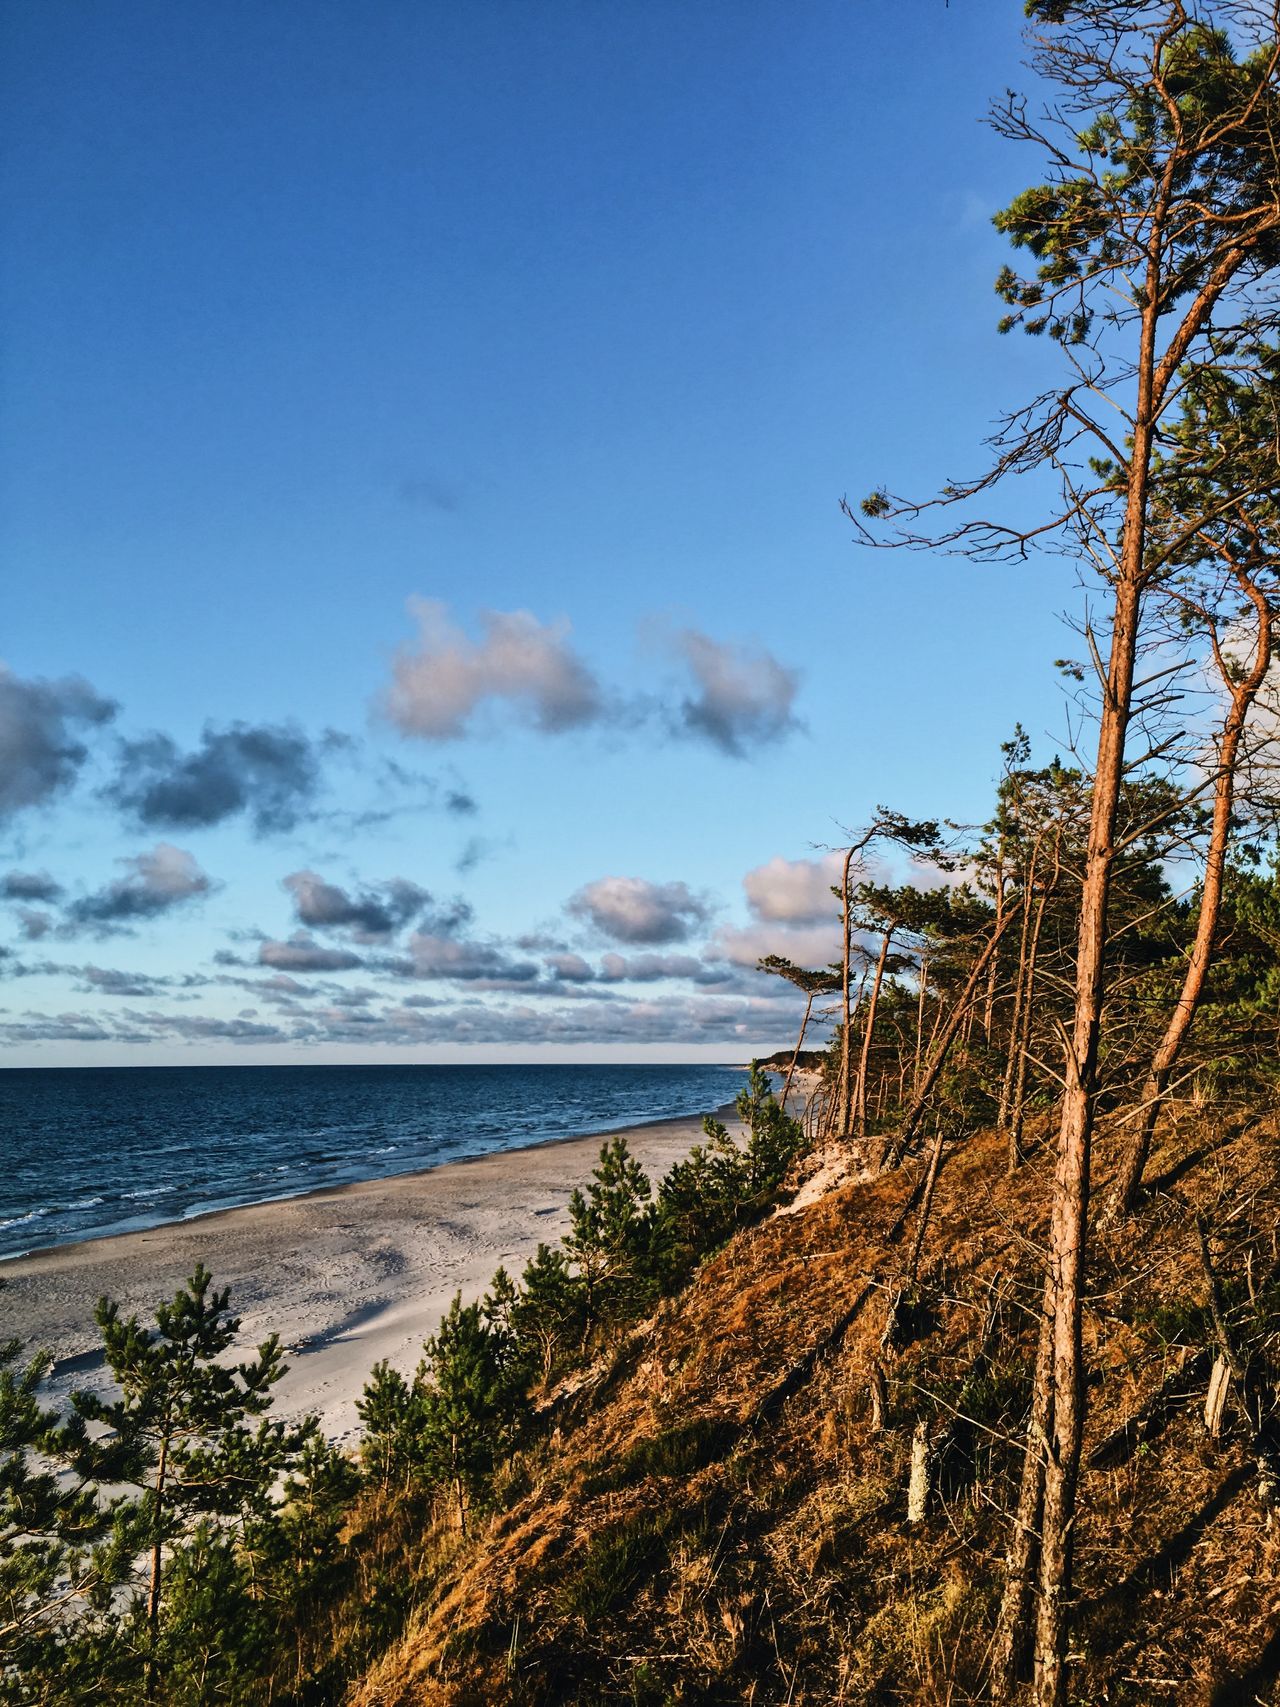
{"x":179,"y":1420}
{"x":63,"y":1547}
{"x":774,"y":1139}
{"x":216,"y":1635}
{"x":497,"y":1311}
{"x":814,"y":983}
{"x":467,"y":1414}
{"x":390,"y":1410}
{"x":548,"y":1315}
{"x":700,"y":1201}
{"x":611,"y":1236}
{"x":296,"y":1560}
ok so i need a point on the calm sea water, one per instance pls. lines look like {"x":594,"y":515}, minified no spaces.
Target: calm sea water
{"x":105,"y":1150}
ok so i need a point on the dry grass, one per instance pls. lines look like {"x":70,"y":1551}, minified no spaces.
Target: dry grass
{"x":719,"y":1523}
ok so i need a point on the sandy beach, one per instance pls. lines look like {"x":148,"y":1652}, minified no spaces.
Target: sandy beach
{"x":345,"y":1276}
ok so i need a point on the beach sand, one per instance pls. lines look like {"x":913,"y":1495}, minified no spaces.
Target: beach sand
{"x":345,"y":1276}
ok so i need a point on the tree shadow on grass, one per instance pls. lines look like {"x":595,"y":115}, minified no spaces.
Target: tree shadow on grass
{"x":1157,"y":1569}
{"x":1242,"y":1689}
{"x":1186,"y":1164}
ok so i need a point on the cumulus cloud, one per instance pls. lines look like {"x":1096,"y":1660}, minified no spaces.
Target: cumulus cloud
{"x":270,"y":773}
{"x":304,"y":954}
{"x":58,"y":1028}
{"x":41,"y":723}
{"x":201,"y":1028}
{"x":742,"y":698}
{"x":795,"y":891}
{"x":433,"y":954}
{"x":572,"y":968}
{"x":793,"y":913}
{"x":806,"y":945}
{"x":631,"y":909}
{"x":371,"y":915}
{"x":35,"y":924}
{"x":106,"y":980}
{"x":110,"y":981}
{"x":281,"y":989}
{"x":439,"y":684}
{"x":154,"y":883}
{"x":29,"y":886}
{"x":647,"y":968}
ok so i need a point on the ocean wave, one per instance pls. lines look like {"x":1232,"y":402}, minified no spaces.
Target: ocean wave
{"x":22,"y":1220}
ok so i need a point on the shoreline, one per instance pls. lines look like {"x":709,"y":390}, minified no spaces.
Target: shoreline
{"x":346,"y":1274}
{"x":725,"y":1112}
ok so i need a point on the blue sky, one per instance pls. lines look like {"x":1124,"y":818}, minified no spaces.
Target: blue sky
{"x":430,"y":630}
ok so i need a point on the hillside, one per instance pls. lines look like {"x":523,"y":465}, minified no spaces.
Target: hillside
{"x":716,"y":1516}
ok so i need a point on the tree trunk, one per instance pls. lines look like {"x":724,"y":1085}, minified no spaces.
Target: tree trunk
{"x":921,"y":995}
{"x":1243,"y":694}
{"x":153,"y":1590}
{"x":920,"y":1485}
{"x":879,"y":1399}
{"x":1215,"y":1402}
{"x":989,"y":1004}
{"x":926,"y":1209}
{"x":804,"y":1025}
{"x":844,"y":1109}
{"x":1011,"y":1642}
{"x":1069,"y":1203}
{"x":869,"y":1025}
{"x":457,"y":1482}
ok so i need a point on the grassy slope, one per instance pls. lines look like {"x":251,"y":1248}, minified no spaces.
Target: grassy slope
{"x":715,"y":1521}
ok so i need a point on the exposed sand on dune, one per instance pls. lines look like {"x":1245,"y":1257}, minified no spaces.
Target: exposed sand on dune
{"x":345,"y":1276}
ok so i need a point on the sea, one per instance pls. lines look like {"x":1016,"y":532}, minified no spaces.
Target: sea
{"x":95,"y":1150}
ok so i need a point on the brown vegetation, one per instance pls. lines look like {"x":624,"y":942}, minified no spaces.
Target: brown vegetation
{"x":718,"y":1516}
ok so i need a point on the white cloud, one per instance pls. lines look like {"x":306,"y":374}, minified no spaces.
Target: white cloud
{"x":806,"y":945}
{"x":631,"y":909}
{"x":572,"y":968}
{"x":739,"y":697}
{"x":795,"y":891}
{"x":646,"y":968}
{"x":155,"y":881}
{"x":743,"y":696}
{"x":432,"y":955}
{"x":438,"y":685}
{"x":303,"y":954}
{"x":370,"y":915}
